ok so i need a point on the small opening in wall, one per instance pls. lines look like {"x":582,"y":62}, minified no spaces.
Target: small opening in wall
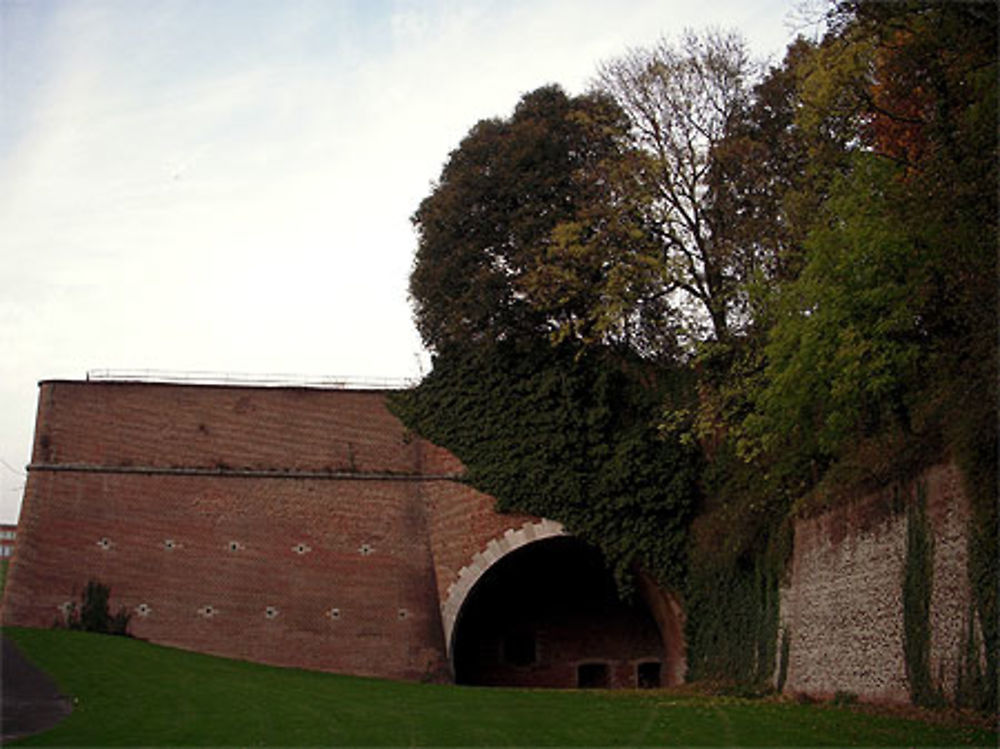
{"x":271,"y":612}
{"x":334,"y":614}
{"x":593,"y":676}
{"x":234,"y":545}
{"x":105,"y":543}
{"x":647,"y":675}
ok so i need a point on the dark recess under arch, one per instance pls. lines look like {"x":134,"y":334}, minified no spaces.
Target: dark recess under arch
{"x":542,"y":614}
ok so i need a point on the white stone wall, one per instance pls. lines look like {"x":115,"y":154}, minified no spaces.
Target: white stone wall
{"x":843,"y":603}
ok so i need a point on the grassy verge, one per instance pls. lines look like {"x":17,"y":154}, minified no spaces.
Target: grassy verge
{"x":132,"y":693}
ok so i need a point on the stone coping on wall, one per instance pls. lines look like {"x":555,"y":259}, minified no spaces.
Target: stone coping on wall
{"x":252,"y":473}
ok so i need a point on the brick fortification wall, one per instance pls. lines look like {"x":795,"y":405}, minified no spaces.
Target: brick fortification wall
{"x":843,"y":605}
{"x":308,"y":527}
{"x":293,"y":526}
{"x":282,"y":525}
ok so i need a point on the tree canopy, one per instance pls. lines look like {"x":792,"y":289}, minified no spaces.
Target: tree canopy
{"x":516,"y":237}
{"x":681,"y":101}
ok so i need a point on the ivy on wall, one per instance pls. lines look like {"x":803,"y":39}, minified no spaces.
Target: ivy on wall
{"x":732,"y":620}
{"x":604,"y":444}
{"x":918,"y":576}
{"x":568,"y":434}
{"x":974,"y":688}
{"x":976,"y":441}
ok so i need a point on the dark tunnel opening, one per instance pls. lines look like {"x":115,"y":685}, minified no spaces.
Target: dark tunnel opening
{"x":549,"y":615}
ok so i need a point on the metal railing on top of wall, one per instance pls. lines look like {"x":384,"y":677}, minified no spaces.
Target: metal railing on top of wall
{"x":341,"y":382}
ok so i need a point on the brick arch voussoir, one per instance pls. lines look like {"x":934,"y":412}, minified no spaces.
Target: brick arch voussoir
{"x":496,"y":549}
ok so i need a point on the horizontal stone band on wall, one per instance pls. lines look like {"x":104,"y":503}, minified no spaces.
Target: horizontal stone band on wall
{"x":252,"y":473}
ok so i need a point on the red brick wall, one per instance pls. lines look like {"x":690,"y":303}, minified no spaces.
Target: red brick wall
{"x":332,"y":570}
{"x":462,"y":523}
{"x":123,"y":424}
{"x":293,"y":526}
{"x":303,"y":547}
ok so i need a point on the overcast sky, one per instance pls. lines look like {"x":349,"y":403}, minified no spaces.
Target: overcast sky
{"x":226,"y":185}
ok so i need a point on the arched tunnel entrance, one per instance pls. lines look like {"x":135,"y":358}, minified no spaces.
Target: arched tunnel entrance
{"x":548,"y":615}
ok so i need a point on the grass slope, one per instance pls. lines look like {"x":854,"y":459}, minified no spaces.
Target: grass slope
{"x":132,"y":693}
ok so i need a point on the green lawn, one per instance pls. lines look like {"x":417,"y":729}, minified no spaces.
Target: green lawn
{"x":132,"y":693}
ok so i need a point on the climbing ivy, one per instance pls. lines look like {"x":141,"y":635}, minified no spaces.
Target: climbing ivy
{"x":732,"y":620}
{"x":918,"y":575}
{"x":976,"y":447}
{"x":570,"y":434}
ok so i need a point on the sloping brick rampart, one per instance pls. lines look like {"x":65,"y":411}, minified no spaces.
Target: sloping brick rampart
{"x":294,"y":526}
{"x":843,"y":606}
{"x":282,"y":525}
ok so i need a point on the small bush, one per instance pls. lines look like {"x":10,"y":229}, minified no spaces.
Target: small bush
{"x":93,"y":615}
{"x":843,"y":698}
{"x":746,"y":690}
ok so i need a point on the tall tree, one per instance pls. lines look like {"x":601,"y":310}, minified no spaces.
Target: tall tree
{"x":893,"y":322}
{"x":507,"y":238}
{"x":757,"y":178}
{"x":681,"y":101}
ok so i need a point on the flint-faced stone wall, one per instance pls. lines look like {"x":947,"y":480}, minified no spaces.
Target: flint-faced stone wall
{"x":843,"y":604}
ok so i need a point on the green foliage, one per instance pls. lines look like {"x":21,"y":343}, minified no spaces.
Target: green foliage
{"x":513,"y":239}
{"x":977,"y":446}
{"x":93,"y":614}
{"x":850,"y":349}
{"x":783,"y":655}
{"x":970,"y":689}
{"x":132,"y":693}
{"x":917,"y":580}
{"x":819,"y":248}
{"x":842,"y":698}
{"x":569,"y":434}
{"x":731,"y":622}
{"x":680,"y":99}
